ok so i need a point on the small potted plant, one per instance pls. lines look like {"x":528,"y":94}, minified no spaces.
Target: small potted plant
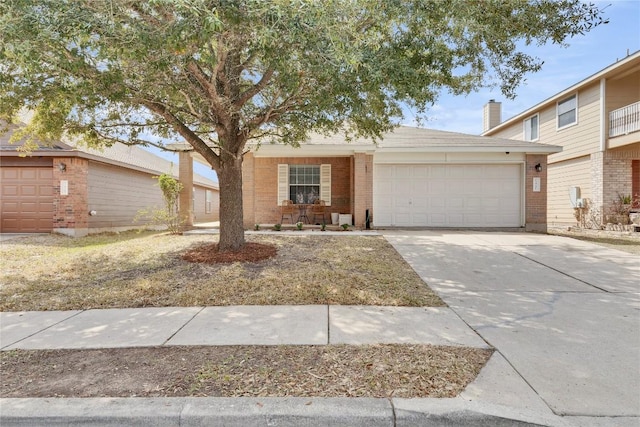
{"x":345,"y":226}
{"x":277,"y":227}
{"x":257,"y":227}
{"x":323,"y":226}
{"x":299,"y":224}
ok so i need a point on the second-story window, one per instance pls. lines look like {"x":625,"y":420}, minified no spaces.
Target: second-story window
{"x":531,"y":128}
{"x":568,"y":111}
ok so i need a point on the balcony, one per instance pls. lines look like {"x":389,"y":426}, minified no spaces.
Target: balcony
{"x":624,"y":120}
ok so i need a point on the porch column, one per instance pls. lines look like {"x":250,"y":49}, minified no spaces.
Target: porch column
{"x":248,"y":192}
{"x":362,"y":188}
{"x":71,"y":196}
{"x":185,"y":175}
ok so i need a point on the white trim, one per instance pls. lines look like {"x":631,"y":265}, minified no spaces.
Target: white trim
{"x":604,"y":119}
{"x":524,"y":127}
{"x":562,"y":101}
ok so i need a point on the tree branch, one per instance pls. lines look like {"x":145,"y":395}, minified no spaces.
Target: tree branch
{"x":191,"y":137}
{"x":217,"y":104}
{"x":255,"y":89}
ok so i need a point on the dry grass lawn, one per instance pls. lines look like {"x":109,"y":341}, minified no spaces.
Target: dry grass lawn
{"x":630,"y":244}
{"x":235,"y":371}
{"x":132,"y":269}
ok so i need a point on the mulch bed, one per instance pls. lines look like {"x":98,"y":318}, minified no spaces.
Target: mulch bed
{"x":250,"y":252}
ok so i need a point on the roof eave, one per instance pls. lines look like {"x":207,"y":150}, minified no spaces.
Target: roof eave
{"x":534,"y":149}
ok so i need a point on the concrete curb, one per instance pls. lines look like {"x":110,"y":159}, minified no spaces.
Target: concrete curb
{"x":249,"y":412}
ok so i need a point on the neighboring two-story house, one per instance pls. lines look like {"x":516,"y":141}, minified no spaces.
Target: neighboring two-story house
{"x":597,"y":124}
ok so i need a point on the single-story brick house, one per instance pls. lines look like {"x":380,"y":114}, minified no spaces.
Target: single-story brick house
{"x":414,"y":177}
{"x":79,"y":190}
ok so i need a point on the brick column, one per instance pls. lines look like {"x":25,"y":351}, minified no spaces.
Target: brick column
{"x":185,"y":175}
{"x":71,"y":196}
{"x":362,"y":188}
{"x":617,"y":175}
{"x":536,"y":201}
{"x":597,"y":188}
{"x":248,"y":191}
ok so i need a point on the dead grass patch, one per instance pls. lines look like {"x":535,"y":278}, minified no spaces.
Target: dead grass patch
{"x":147,"y":270}
{"x":623,"y":243}
{"x":235,"y":371}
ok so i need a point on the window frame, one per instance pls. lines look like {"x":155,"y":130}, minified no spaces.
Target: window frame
{"x":526,"y":126}
{"x":575,"y":109}
{"x":208,"y":201}
{"x":284,"y":189}
{"x":307,"y":177}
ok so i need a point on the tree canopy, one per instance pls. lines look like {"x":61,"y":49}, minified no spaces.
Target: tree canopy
{"x":219,"y":73}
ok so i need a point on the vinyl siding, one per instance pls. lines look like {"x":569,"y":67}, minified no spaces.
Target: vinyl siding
{"x":514,"y":131}
{"x":561,"y":177}
{"x":623,"y":91}
{"x":117,"y":195}
{"x":578,"y":140}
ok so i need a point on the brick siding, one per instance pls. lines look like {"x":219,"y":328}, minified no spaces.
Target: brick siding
{"x":70,"y":213}
{"x":536,"y":202}
{"x":260,"y":186}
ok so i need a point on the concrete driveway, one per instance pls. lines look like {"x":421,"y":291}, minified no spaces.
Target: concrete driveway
{"x":565,"y":314}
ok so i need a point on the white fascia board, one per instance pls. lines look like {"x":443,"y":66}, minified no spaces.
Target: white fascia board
{"x":329,"y":150}
{"x":534,"y":149}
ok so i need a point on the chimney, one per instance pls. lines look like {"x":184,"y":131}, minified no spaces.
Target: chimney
{"x":492,"y":115}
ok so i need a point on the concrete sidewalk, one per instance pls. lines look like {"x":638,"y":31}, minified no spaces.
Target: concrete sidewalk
{"x":234,"y":325}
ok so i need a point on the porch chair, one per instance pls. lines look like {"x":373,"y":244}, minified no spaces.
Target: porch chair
{"x":287,"y":209}
{"x":318,"y":210}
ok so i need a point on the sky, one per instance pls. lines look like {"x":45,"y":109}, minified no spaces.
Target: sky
{"x":563,"y":67}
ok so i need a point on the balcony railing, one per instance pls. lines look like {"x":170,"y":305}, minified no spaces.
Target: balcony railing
{"x":624,"y":120}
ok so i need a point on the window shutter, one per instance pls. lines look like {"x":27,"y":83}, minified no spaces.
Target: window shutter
{"x":283,"y":183}
{"x":325,"y":184}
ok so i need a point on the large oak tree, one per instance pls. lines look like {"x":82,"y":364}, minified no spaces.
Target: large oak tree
{"x":219,"y":73}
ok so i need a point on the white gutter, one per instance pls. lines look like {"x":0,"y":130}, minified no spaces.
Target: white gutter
{"x":603,"y":114}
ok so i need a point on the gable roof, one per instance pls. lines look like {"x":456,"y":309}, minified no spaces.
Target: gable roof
{"x":130,"y":157}
{"x":404,"y":139}
{"x":621,"y":66}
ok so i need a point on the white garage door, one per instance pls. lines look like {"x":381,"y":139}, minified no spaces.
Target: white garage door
{"x":447,"y":195}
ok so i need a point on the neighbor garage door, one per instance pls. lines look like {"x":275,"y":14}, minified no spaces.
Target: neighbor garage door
{"x":447,"y":195}
{"x":26,"y":199}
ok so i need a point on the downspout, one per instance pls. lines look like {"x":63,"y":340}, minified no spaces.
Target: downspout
{"x":603,"y":114}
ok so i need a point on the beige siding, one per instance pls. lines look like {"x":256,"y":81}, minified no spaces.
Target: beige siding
{"x":623,"y":91}
{"x":514,"y":131}
{"x":577,"y":140}
{"x":581,"y":139}
{"x":118,"y":194}
{"x":561,"y":177}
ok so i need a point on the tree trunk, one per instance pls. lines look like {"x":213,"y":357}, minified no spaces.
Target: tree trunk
{"x":231,"y":211}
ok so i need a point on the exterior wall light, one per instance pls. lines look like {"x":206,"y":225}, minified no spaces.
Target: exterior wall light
{"x":538,"y":167}
{"x":62,"y":167}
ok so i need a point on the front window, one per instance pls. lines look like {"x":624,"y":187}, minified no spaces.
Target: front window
{"x":567,"y":112}
{"x":531,"y":128}
{"x":208,"y":201}
{"x":304,"y":183}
